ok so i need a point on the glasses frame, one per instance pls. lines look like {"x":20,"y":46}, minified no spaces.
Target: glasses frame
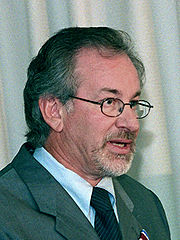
{"x":140,"y":102}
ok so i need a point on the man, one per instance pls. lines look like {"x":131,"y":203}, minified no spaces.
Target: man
{"x":82,"y":107}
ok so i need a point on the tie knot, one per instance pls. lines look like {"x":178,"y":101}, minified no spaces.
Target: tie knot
{"x":100,"y":200}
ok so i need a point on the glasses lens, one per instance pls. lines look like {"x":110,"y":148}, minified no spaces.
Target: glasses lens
{"x":142,"y":109}
{"x":112,"y":107}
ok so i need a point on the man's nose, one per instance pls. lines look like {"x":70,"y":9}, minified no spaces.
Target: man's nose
{"x":128,"y":119}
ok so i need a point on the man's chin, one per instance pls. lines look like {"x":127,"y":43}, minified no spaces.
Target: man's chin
{"x":114,"y":165}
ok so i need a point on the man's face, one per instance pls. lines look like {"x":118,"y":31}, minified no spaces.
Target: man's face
{"x":97,"y":145}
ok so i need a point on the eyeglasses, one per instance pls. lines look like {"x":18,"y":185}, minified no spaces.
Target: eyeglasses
{"x":113,"y":107}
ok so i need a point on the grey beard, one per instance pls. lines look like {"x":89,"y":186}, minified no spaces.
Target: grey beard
{"x":112,"y":164}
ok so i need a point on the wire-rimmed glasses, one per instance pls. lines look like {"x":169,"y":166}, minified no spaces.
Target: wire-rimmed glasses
{"x":113,"y":107}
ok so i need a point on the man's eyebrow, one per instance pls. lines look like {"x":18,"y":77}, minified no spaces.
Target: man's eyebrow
{"x":110,"y":90}
{"x":116,"y":92}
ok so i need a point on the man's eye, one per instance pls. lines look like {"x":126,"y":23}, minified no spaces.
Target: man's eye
{"x":109,"y":101}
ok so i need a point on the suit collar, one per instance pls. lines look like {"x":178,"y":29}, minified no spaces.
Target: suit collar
{"x":52,"y":199}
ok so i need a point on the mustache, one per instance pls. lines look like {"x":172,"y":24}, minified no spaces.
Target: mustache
{"x":122,"y":134}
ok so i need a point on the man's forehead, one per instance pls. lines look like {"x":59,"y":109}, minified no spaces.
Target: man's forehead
{"x":91,"y":61}
{"x":105,"y":74}
{"x":87,"y":58}
{"x":94,"y":56}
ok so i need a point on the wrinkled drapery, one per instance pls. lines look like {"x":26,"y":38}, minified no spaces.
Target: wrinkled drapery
{"x":154,"y":26}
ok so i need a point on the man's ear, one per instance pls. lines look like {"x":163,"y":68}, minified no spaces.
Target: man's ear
{"x":52,"y":112}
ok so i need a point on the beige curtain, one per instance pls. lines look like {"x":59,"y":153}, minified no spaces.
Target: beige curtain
{"x":154,"y":26}
{"x":4,"y":143}
{"x":38,"y":24}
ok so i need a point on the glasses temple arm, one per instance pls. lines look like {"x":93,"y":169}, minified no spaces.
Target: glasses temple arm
{"x":86,"y":100}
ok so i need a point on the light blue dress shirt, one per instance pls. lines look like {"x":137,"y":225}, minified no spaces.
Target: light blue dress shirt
{"x":78,"y":188}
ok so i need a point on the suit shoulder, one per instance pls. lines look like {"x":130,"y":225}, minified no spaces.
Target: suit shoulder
{"x":131,"y":184}
{"x":13,"y":189}
{"x":147,"y":207}
{"x":5,"y":170}
{"x":138,"y":193}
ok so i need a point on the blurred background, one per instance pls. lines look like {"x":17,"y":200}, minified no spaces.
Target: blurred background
{"x":154,"y":26}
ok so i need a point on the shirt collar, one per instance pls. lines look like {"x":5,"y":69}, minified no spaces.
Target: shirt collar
{"x":78,"y":188}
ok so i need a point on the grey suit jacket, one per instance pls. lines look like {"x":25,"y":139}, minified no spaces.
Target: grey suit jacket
{"x":33,"y":205}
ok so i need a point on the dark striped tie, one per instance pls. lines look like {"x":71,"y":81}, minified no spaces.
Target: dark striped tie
{"x":106,"y":224}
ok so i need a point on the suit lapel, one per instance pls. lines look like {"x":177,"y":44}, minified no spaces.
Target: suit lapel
{"x":71,"y":222}
{"x":129,"y":225}
{"x":52,"y":199}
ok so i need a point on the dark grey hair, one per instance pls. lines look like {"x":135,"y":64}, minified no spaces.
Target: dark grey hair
{"x":51,"y":72}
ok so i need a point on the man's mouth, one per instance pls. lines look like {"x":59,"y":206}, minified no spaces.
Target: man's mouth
{"x":120,"y":146}
{"x":121,"y":143}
